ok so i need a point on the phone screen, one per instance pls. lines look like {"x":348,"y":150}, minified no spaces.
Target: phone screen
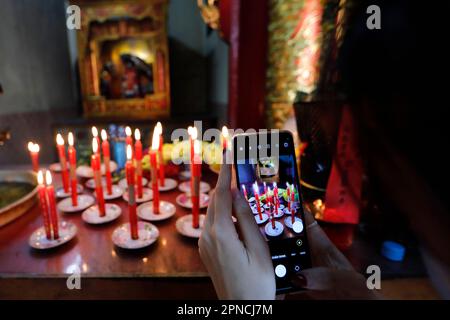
{"x":266,"y":173}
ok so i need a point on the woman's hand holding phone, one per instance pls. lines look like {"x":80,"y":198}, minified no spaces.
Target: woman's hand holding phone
{"x":240,"y":264}
{"x":240,"y":267}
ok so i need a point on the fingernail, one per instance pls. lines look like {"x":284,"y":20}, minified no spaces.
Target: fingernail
{"x":300,"y":281}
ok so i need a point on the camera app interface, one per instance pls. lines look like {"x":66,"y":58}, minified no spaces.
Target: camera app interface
{"x":270,"y":185}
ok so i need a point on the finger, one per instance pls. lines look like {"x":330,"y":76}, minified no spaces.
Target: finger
{"x":209,"y":221}
{"x":249,"y":230}
{"x":324,"y":252}
{"x":223,"y":200}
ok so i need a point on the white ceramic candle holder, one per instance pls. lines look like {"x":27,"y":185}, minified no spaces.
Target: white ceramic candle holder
{"x":186,"y":187}
{"x":124,"y":184}
{"x":38,"y":239}
{"x":169,"y":184}
{"x":92,"y":214}
{"x":185,"y":200}
{"x":116,"y":192}
{"x":264,"y":216}
{"x":184,"y":226}
{"x":297,"y":226}
{"x":147,"y":234}
{"x":56,"y":167}
{"x":274,"y":232}
{"x":84,"y":201}
{"x":60,"y":193}
{"x":166,"y":210}
{"x":147,"y":195}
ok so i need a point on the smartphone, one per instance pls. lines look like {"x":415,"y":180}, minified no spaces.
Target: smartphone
{"x":267,"y":176}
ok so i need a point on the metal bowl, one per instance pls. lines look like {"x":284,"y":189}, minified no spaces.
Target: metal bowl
{"x":22,"y":205}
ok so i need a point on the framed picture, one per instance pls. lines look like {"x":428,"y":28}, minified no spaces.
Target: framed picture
{"x":123,"y":59}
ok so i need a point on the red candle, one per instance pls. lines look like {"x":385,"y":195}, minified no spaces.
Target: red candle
{"x":96,"y":137}
{"x":63,"y":162}
{"x":106,"y":160}
{"x":269,"y":198}
{"x":292,"y":207}
{"x":245,"y":192}
{"x":258,"y":205}
{"x":272,"y":219}
{"x":42,"y":191}
{"x":95,"y":164}
{"x":192,"y":137}
{"x":195,"y":178}
{"x":138,"y":157}
{"x":73,"y":165}
{"x":162,"y":175}
{"x":276,"y":199}
{"x":33,"y":148}
{"x":52,"y":205}
{"x":154,"y":169}
{"x":129,"y":169}
{"x":225,"y":135}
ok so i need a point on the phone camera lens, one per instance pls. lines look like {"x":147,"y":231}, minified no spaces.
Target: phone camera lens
{"x":286,"y":144}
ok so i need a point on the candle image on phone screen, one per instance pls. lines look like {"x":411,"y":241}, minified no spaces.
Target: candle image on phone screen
{"x":267,"y":176}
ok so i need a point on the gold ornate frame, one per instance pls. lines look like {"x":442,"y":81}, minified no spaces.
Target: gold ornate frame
{"x":151,"y":106}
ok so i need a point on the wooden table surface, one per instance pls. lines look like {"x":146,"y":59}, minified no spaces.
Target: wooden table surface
{"x":172,"y":257}
{"x":169,"y":269}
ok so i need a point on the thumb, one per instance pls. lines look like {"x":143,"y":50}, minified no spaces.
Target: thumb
{"x":249,"y":230}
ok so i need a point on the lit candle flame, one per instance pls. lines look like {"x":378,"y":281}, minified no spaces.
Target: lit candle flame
{"x":155,"y":139}
{"x":94,"y":132}
{"x":128,"y":131}
{"x":30,"y":146}
{"x":33,"y":147}
{"x":129,"y":152}
{"x":159,"y":126}
{"x":197,"y":147}
{"x":225,"y":131}
{"x":70,"y":139}
{"x":104,"y":135}
{"x":59,"y":139}
{"x":48,"y":178}
{"x":255,"y":188}
{"x":40,"y":177}
{"x":193,"y":133}
{"x":94,"y":145}
{"x":137,"y":134}
{"x":274,"y":185}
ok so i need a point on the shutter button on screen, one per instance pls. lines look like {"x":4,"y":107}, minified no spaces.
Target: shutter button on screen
{"x":280,"y":271}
